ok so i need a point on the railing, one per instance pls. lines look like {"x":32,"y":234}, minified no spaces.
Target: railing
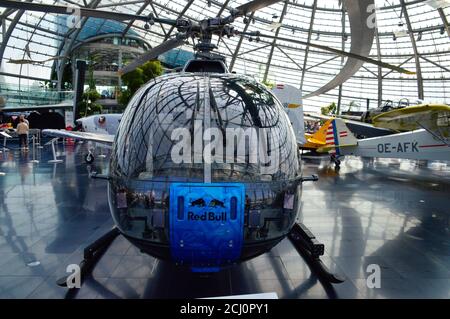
{"x":32,"y":96}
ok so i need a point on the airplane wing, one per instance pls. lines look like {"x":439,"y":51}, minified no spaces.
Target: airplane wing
{"x":5,"y":134}
{"x":357,"y":127}
{"x":84,"y":136}
{"x":430,"y":116}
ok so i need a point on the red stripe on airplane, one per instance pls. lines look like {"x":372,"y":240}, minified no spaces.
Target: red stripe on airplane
{"x":430,"y":146}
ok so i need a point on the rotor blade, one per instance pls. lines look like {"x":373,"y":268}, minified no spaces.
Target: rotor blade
{"x":362,"y":36}
{"x":153,"y":53}
{"x":69,"y":10}
{"x":336,"y":51}
{"x":253,"y":6}
{"x":83,"y":12}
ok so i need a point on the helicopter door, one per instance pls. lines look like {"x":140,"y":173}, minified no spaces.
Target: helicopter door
{"x":206,"y":224}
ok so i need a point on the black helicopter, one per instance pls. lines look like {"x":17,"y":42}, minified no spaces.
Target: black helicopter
{"x":205,"y":170}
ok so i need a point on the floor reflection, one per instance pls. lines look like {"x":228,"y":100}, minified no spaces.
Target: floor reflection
{"x":386,"y":212}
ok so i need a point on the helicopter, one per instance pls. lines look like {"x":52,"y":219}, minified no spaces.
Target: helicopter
{"x":205,"y":170}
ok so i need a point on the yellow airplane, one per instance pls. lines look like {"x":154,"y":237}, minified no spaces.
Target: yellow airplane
{"x":318,"y":139}
{"x":427,"y":135}
{"x":425,"y":116}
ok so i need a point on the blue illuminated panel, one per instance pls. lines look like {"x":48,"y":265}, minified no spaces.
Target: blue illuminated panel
{"x":207,"y":232}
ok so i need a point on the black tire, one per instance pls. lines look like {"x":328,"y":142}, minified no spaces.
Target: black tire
{"x":89,"y":158}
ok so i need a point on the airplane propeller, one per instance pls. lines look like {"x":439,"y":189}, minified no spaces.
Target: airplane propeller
{"x":187,"y":29}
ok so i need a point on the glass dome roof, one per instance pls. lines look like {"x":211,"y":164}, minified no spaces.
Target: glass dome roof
{"x":411,"y":33}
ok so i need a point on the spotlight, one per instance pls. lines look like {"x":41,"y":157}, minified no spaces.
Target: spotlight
{"x":419,"y":37}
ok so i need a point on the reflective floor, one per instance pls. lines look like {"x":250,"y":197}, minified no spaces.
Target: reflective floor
{"x":390,"y":213}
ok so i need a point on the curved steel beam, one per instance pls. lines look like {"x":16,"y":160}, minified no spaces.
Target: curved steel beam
{"x":6,"y":14}
{"x":141,"y":9}
{"x":444,"y":20}
{"x":10,"y":30}
{"x":420,"y":91}
{"x":277,"y":32}
{"x":180,"y":15}
{"x":93,"y":4}
{"x":380,"y":71}
{"x":362,"y":40}
{"x":29,"y":40}
{"x":238,"y":45}
{"x":305,"y":60}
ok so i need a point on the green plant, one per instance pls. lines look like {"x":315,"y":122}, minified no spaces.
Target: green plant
{"x":88,"y":105}
{"x":352,"y":104}
{"x":268,"y":84}
{"x":135,"y":79}
{"x":87,"y":108}
{"x":330,"y":109}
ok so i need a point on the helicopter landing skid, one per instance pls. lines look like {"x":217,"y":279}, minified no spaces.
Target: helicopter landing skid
{"x":311,"y":249}
{"x":92,"y":254}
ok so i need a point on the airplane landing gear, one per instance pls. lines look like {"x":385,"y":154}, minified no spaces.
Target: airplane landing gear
{"x":311,"y":249}
{"x":89,"y":158}
{"x":336,"y":161}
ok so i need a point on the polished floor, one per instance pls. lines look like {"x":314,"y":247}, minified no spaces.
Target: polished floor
{"x":395,"y":214}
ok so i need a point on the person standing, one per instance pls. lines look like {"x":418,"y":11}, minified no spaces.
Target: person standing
{"x":25,"y":120}
{"x":22,"y":131}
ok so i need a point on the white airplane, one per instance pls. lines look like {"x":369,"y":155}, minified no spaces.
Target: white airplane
{"x":427,"y":139}
{"x":99,"y":129}
{"x":291,"y":98}
{"x":101,"y":124}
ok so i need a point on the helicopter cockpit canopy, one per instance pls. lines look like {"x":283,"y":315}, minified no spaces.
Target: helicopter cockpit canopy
{"x":205,"y":66}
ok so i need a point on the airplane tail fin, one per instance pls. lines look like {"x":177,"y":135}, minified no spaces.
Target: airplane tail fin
{"x":338,"y":135}
{"x":321,"y":134}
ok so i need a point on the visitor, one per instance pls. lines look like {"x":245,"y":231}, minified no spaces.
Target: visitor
{"x":24,"y":119}
{"x":22,"y":132}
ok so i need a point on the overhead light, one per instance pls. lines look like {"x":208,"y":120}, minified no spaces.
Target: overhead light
{"x":400,"y":33}
{"x":274,"y":25}
{"x":438,"y":4}
{"x":419,"y":37}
